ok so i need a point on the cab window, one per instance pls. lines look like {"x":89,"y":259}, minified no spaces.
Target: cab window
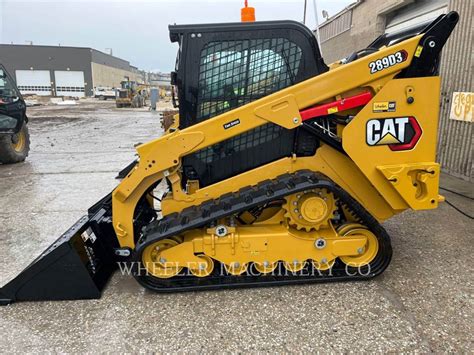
{"x":234,"y":73}
{"x":8,"y":91}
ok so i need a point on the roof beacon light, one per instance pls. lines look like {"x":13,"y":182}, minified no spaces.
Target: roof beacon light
{"x":247,"y":13}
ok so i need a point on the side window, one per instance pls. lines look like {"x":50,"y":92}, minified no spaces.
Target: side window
{"x":234,"y":73}
{"x":8,"y":90}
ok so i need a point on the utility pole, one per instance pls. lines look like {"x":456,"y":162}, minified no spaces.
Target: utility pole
{"x":304,"y":14}
{"x":317,"y":26}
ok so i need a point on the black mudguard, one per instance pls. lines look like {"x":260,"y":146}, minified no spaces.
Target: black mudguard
{"x":76,"y":266}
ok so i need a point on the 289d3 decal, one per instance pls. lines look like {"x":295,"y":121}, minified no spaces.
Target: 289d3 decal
{"x":387,"y":61}
{"x":399,"y":133}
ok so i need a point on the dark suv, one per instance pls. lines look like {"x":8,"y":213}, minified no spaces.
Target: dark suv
{"x":14,"y":136}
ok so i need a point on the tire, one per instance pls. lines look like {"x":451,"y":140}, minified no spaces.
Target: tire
{"x":102,"y":98}
{"x":15,"y":148}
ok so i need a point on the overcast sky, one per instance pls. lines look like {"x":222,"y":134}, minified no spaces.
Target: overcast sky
{"x":135,"y":30}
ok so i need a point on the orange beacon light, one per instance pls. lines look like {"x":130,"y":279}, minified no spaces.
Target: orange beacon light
{"x":247,"y":13}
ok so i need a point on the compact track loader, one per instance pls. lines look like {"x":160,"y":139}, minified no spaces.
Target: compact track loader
{"x":278,"y":169}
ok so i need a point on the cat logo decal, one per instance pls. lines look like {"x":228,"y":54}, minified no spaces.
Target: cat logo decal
{"x":399,"y":133}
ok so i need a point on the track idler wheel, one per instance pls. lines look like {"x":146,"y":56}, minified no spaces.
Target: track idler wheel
{"x":366,"y":254}
{"x":155,"y":264}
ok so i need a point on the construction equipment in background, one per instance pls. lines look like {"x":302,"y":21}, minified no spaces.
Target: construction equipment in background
{"x":131,"y":94}
{"x":163,"y":93}
{"x":14,"y":135}
{"x":278,"y":170}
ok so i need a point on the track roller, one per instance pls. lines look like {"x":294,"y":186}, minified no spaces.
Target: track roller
{"x":157,"y":265}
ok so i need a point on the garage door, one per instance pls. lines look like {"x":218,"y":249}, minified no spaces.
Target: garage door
{"x":418,"y":13}
{"x":69,"y":83}
{"x":36,"y":82}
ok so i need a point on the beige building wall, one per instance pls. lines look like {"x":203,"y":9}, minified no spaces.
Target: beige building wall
{"x":333,"y":51}
{"x":455,"y":137}
{"x":103,"y":75}
{"x":368,"y":22}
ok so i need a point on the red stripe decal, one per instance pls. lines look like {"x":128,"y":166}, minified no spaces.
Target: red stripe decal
{"x":336,"y":106}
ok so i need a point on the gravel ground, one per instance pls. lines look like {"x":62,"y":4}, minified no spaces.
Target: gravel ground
{"x":423,"y":301}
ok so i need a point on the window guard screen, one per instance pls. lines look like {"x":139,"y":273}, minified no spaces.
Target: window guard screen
{"x":250,"y":139}
{"x":234,"y":73}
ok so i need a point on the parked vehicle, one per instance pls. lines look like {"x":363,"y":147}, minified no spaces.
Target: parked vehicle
{"x":14,"y":136}
{"x":104,"y":93}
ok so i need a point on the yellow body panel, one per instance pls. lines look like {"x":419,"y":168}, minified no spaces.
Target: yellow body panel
{"x":359,"y":176}
{"x":328,"y":161}
{"x":371,"y":160}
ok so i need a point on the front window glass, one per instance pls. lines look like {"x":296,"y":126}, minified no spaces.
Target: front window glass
{"x":178,"y":57}
{"x":8,"y":91}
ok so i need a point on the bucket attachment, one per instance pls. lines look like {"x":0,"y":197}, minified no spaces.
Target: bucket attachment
{"x":124,"y":172}
{"x":76,"y":266}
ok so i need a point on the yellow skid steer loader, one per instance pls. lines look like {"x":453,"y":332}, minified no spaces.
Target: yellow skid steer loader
{"x":278,"y":170}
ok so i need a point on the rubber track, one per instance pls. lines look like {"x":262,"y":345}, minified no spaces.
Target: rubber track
{"x":246,"y":198}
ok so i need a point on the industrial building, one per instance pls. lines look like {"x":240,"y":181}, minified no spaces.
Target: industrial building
{"x":161,"y":80}
{"x":355,"y":27}
{"x":64,"y":71}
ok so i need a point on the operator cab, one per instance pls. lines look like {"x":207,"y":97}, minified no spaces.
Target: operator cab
{"x":12,"y":106}
{"x":223,"y":66}
{"x":220,"y":67}
{"x":127,"y":84}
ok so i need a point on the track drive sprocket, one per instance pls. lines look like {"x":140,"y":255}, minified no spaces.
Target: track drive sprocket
{"x":310,"y":210}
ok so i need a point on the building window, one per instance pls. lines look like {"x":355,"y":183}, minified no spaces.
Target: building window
{"x":34,"y":88}
{"x":336,"y":26}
